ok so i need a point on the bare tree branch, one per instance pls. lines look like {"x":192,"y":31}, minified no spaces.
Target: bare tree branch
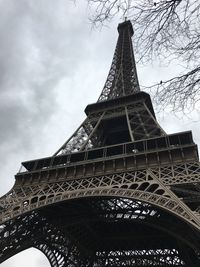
{"x":179,"y":93}
{"x":163,"y":29}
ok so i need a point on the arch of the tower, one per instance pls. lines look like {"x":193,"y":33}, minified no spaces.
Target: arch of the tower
{"x":142,"y":185}
{"x":103,"y":231}
{"x":119,"y":191}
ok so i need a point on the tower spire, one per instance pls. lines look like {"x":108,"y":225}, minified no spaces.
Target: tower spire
{"x":119,"y":192}
{"x":122,"y":79}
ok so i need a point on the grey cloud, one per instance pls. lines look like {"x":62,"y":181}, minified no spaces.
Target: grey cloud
{"x":51,"y":66}
{"x":35,"y":55}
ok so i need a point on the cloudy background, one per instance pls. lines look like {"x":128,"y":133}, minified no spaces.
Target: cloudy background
{"x":52,"y":64}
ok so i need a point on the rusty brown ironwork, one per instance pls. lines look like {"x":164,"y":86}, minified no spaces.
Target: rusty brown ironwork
{"x":119,"y":191}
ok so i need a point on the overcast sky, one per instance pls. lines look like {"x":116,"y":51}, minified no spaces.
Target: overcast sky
{"x":52,"y":64}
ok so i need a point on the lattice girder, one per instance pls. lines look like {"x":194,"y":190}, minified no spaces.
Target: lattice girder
{"x":139,"y":123}
{"x":158,"y":257}
{"x":33,"y":230}
{"x":122,"y":78}
{"x":61,"y":238}
{"x":144,"y":185}
{"x":122,"y":83}
{"x":119,"y":191}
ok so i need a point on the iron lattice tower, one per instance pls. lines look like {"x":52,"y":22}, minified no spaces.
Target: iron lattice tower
{"x":119,"y":192}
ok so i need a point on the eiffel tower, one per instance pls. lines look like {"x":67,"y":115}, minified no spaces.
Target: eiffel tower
{"x":119,"y":191}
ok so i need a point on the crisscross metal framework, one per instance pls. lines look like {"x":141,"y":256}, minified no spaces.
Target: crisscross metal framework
{"x":119,"y":191}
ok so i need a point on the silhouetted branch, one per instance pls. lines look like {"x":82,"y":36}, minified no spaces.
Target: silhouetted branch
{"x":179,"y":93}
{"x":163,"y":29}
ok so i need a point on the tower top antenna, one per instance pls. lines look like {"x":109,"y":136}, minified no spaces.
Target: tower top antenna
{"x":122,"y":79}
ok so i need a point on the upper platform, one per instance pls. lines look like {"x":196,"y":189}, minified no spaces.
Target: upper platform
{"x":121,"y":101}
{"x":124,"y":25}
